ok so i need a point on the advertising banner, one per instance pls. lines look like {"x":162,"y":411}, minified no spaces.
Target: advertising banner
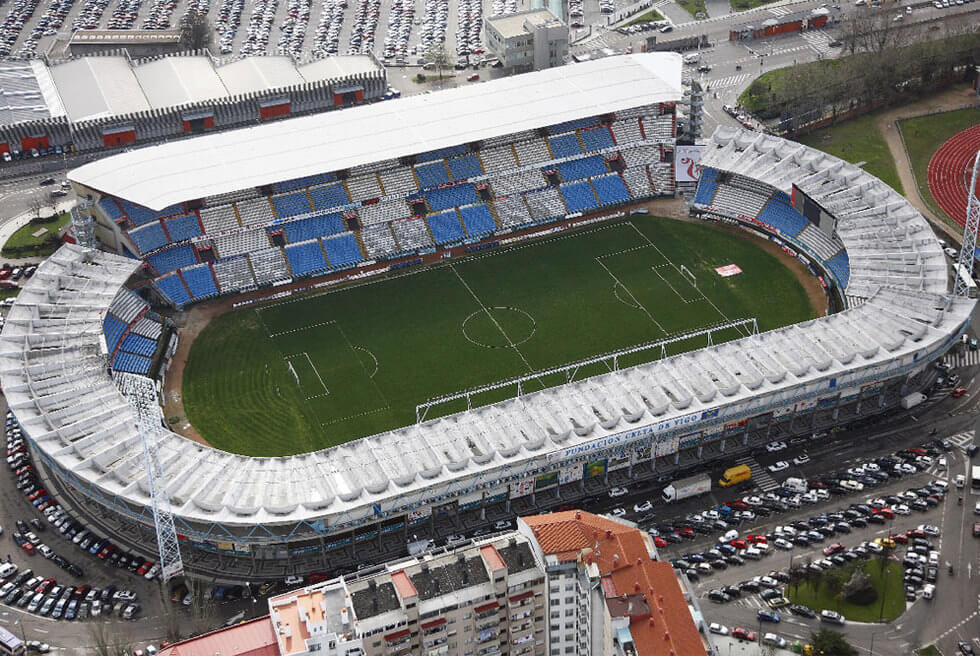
{"x":522,"y":488}
{"x":569,"y":474}
{"x":595,"y":468}
{"x":546,"y":480}
{"x":667,"y":446}
{"x":687,"y":158}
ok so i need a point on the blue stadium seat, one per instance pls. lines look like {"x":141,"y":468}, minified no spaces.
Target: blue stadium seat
{"x":783,"y":217}
{"x":578,"y":196}
{"x":313,"y":227}
{"x":113,"y":329}
{"x":306,"y":258}
{"x":111,"y":209}
{"x":170,"y":259}
{"x":443,"y":199}
{"x":139,"y":345}
{"x":329,"y":196}
{"x":431,"y":175}
{"x":342,"y":250}
{"x":173,"y":288}
{"x":299,"y":183}
{"x":782,"y":197}
{"x":200,"y":281}
{"x":467,"y":166}
{"x":149,"y":237}
{"x":567,"y":145}
{"x":445,"y":227}
{"x":610,"y":189}
{"x":141,"y":215}
{"x":134,"y":364}
{"x":586,"y":167}
{"x":477,"y":219}
{"x":291,"y":204}
{"x":183,"y":227}
{"x":596,"y":139}
{"x":441,"y":153}
{"x":839,"y":265}
{"x":577,"y":124}
{"x":707,"y":186}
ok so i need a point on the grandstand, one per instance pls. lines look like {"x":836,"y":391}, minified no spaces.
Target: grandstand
{"x":240,"y":516}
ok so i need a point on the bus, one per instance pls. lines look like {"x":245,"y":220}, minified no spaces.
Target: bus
{"x":975,"y":478}
{"x":967,"y":280}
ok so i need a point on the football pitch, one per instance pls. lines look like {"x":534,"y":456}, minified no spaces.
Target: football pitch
{"x":317,"y":370}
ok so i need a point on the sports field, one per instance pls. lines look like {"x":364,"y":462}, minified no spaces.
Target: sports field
{"x":306,"y":373}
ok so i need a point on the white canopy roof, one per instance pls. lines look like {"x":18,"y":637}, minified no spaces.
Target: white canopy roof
{"x":225,"y":162}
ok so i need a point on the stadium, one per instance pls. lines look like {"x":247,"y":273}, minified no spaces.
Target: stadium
{"x":305,"y":204}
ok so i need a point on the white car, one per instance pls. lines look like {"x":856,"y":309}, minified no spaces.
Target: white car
{"x":905,"y":468}
{"x":746,"y":515}
{"x":787,"y":531}
{"x":901,"y":509}
{"x":714,"y":627}
{"x":873,"y":546}
{"x":856,"y":471}
{"x":728,"y":537}
{"x":615,"y":512}
{"x":774,"y":640}
{"x":941,"y":483}
{"x":646,"y":506}
{"x":976,"y":508}
{"x":831,"y":616}
{"x":753,"y":501}
{"x":959,"y":481}
{"x":777,"y":467}
{"x":773,"y":447}
{"x":871,"y":466}
{"x":801,"y":459}
{"x":783,"y":544}
{"x":618,"y":492}
{"x":854,"y":486}
{"x":876,"y":501}
{"x":823,"y":495}
{"x":929,"y":529}
{"x":712,"y":515}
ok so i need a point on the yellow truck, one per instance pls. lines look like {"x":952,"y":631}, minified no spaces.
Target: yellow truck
{"x":735,"y":475}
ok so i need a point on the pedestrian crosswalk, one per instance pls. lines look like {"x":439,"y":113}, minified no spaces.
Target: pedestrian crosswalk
{"x":730,"y":81}
{"x":760,"y":476}
{"x":962,"y":440}
{"x":964,"y":358}
{"x":818,"y":41}
{"x":780,"y":11}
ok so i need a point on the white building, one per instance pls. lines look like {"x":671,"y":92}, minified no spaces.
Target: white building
{"x":529,"y":40}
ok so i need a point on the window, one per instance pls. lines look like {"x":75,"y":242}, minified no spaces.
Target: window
{"x":569,"y":587}
{"x":555,"y":614}
{"x":570,"y":649}
{"x":555,"y":628}
{"x":569,"y":600}
{"x":570,"y":625}
{"x":467,"y":616}
{"x":569,"y":612}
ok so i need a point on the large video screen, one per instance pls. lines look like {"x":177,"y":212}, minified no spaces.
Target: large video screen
{"x":812,"y":210}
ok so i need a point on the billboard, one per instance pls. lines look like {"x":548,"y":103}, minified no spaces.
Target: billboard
{"x":569,"y":474}
{"x":522,"y":488}
{"x":546,"y":480}
{"x":686,"y":159}
{"x":595,"y":468}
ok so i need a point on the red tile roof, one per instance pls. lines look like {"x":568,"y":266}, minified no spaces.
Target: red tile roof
{"x":492,"y":558}
{"x":254,"y":638}
{"x":404,"y":584}
{"x":620,"y":553}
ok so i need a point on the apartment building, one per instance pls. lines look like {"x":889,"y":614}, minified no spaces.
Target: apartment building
{"x":529,"y":40}
{"x":477,"y":599}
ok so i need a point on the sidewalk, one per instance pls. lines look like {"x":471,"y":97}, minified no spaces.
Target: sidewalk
{"x":10,"y":226}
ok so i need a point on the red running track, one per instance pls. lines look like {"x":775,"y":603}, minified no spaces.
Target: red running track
{"x":950,"y":169}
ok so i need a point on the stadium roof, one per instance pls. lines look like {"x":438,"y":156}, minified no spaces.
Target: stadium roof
{"x":159,"y":176}
{"x":104,"y":86}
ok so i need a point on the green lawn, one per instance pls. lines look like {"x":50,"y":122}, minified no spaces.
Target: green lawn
{"x":929,"y":650}
{"x":23,"y":243}
{"x":924,"y":135}
{"x":858,"y":140}
{"x":693,"y":7}
{"x":8,"y":293}
{"x":646,"y":17}
{"x":740,"y":5}
{"x":894,"y":596}
{"x":307,"y":373}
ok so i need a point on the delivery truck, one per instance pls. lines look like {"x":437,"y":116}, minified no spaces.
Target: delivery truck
{"x":734,"y":475}
{"x":913,"y":400}
{"x":687,"y":487}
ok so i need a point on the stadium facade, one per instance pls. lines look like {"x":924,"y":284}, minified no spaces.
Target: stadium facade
{"x":520,"y":151}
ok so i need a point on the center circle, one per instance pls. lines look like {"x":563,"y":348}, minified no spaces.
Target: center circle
{"x":498,"y":327}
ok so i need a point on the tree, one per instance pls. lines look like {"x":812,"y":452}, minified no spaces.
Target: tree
{"x":833,"y":581}
{"x":202,"y":605}
{"x":797,"y":575}
{"x":195,"y":30}
{"x":108,"y":638}
{"x":859,"y":589}
{"x":170,"y":619}
{"x":438,"y":56}
{"x":831,"y":643}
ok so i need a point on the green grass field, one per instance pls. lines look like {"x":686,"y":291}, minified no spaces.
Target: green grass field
{"x":318,"y":370}
{"x":889,"y":581}
{"x":23,"y":242}
{"x":646,"y":17}
{"x":923,"y":136}
{"x":855,"y":141}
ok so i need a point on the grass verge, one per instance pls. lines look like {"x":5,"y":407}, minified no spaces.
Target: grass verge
{"x":858,"y":140}
{"x":646,"y":17}
{"x":23,"y":243}
{"x":889,"y":605}
{"x":693,"y":7}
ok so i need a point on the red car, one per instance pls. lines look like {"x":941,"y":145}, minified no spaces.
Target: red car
{"x":915,"y":533}
{"x":44,"y":586}
{"x":145,"y":567}
{"x":28,"y":548}
{"x":37,"y":494}
{"x":25,"y":469}
{"x":918,"y":451}
{"x":816,"y":485}
{"x":659,"y":542}
{"x":474,"y":77}
{"x":830,"y":550}
{"x":106,"y":550}
{"x":958,"y":392}
{"x":755,"y":538}
{"x":685,"y":532}
{"x":887,"y":513}
{"x":900,"y":538}
{"x":738,"y":504}
{"x":743,"y":634}
{"x":739,"y":543}
{"x":976,"y":529}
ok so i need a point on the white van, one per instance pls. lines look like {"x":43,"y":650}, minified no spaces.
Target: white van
{"x":796,"y":484}
{"x":928,"y":591}
{"x":752,"y":553}
{"x":762,"y":548}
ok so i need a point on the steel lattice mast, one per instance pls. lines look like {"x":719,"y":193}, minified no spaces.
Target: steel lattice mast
{"x":969,"y":233}
{"x":171,"y":563}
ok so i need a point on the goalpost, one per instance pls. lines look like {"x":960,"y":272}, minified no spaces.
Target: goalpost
{"x":690,"y":276}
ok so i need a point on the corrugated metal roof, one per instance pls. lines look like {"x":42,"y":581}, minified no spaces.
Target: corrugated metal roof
{"x":178,"y":80}
{"x":92,"y":87}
